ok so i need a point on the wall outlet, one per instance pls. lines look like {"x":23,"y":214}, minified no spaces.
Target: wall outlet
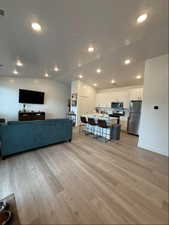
{"x":156,"y":107}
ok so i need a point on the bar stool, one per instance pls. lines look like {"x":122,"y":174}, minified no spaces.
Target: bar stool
{"x":83,"y":125}
{"x":93,"y":124}
{"x":102,"y":124}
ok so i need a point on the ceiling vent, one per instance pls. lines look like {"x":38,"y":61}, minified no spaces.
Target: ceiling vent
{"x":2,"y":12}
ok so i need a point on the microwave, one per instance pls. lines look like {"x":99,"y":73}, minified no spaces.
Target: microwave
{"x":117,"y":105}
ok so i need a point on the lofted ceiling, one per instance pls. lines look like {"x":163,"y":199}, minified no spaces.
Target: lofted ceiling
{"x":70,"y":26}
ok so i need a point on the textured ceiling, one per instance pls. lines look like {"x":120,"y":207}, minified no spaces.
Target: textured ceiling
{"x":70,"y":26}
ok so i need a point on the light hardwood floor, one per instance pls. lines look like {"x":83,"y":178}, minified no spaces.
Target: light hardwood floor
{"x":88,"y":182}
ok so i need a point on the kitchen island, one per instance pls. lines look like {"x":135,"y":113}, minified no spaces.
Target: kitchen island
{"x":111,"y":132}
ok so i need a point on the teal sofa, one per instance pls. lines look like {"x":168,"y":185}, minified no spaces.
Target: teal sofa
{"x":21,"y":136}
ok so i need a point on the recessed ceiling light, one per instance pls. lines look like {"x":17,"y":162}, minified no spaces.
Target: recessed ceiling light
{"x":46,"y":75}
{"x":142,"y":18}
{"x":98,"y":70}
{"x":56,"y":69}
{"x":113,"y":81}
{"x":15,"y":72}
{"x":95,"y":85}
{"x":80,"y":76}
{"x":138,"y":77}
{"x":19,"y":63}
{"x":91,"y":49}
{"x":36,"y":27}
{"x":127,"y":61}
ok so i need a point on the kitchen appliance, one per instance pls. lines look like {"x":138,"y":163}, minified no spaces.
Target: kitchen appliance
{"x":134,"y":117}
{"x":117,"y":105}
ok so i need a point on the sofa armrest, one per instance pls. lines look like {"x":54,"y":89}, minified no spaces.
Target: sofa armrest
{"x":3,"y":138}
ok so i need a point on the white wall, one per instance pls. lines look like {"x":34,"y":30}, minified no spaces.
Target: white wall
{"x":154,"y":123}
{"x":86,"y":98}
{"x":56,"y":97}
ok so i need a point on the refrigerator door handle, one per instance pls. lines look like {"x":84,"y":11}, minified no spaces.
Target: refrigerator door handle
{"x":128,"y":120}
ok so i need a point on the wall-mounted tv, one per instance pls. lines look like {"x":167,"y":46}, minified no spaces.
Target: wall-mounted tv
{"x":31,"y":97}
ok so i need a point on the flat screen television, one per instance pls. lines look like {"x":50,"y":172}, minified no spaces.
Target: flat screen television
{"x":31,"y":97}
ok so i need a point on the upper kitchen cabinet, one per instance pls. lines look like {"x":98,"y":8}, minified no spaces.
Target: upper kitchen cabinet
{"x":125,"y":95}
{"x":104,"y":99}
{"x":136,"y":94}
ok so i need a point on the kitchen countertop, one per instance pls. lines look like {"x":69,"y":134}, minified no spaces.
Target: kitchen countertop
{"x":103,"y":116}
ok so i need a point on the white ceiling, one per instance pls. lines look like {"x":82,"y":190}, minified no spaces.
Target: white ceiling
{"x":70,"y":26}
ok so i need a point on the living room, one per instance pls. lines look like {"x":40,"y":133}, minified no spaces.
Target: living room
{"x":84,"y":112}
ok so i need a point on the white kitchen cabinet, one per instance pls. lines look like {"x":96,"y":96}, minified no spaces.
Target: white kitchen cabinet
{"x":123,"y":122}
{"x":104,"y":99}
{"x":136,"y":94}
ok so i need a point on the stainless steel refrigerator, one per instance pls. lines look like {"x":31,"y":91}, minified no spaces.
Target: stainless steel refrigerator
{"x":134,"y":117}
